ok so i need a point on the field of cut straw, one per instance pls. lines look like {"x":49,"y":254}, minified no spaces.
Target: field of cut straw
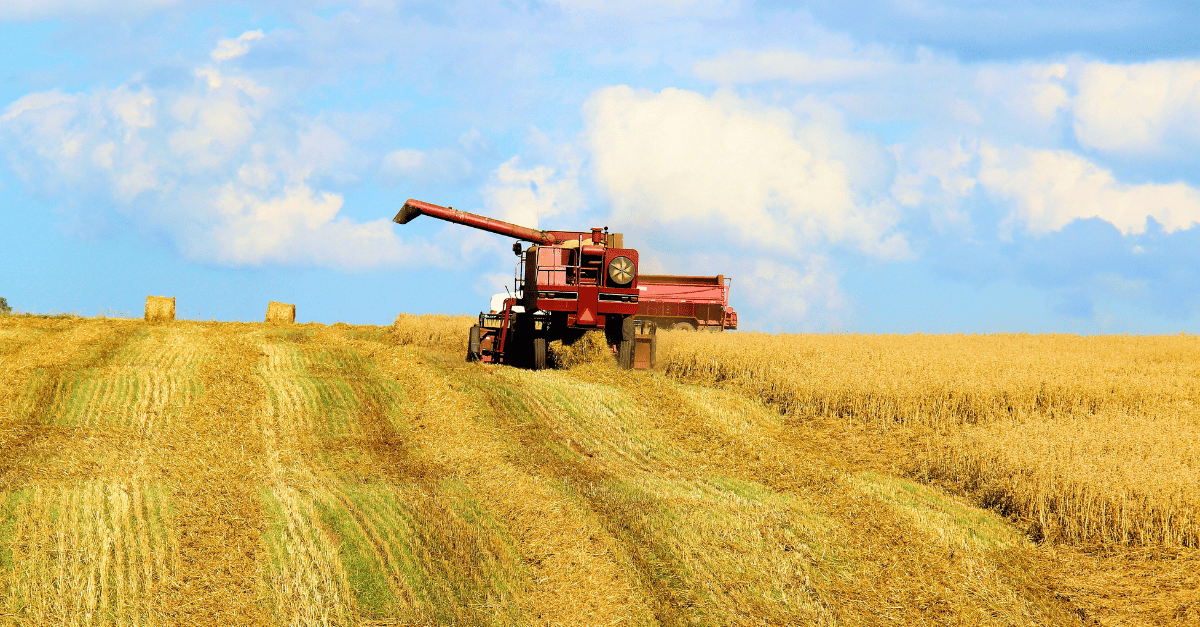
{"x":191,"y":473}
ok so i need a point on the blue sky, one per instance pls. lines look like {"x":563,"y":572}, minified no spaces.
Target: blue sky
{"x":892,"y":166}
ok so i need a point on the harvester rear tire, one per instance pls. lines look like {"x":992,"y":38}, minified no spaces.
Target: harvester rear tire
{"x":683,"y":326}
{"x":539,"y":353}
{"x":625,"y":354}
{"x":473,"y":344}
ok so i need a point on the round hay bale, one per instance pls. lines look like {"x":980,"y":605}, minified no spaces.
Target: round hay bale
{"x":281,"y":313}
{"x":160,"y":308}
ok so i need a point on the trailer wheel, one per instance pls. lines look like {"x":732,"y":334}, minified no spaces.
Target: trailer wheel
{"x":683,"y":326}
{"x":473,"y":344}
{"x":539,"y":353}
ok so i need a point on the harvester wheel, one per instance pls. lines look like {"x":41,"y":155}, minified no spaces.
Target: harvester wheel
{"x":626,"y":343}
{"x":625,"y":354}
{"x":539,"y":353}
{"x":473,"y":344}
{"x":683,"y":326}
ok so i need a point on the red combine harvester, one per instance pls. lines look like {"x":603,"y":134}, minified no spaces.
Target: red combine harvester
{"x":567,"y":283}
{"x":686,"y":302}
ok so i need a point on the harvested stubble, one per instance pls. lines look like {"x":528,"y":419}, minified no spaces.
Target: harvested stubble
{"x":282,"y":313}
{"x":1087,"y":439}
{"x":432,"y":330}
{"x":327,"y":476}
{"x":160,"y":308}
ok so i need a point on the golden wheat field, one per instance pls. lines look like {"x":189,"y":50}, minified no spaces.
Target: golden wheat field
{"x":204,"y":473}
{"x":1092,"y":439}
{"x":1091,"y":445}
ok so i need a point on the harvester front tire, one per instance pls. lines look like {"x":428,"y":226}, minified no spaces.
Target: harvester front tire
{"x":683,"y":326}
{"x":473,"y":344}
{"x":539,"y":353}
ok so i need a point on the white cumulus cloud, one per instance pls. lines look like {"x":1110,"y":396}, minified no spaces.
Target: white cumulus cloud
{"x":219,"y":167}
{"x":937,"y":178}
{"x":1034,"y":93}
{"x":526,"y":195}
{"x":738,"y":187}
{"x":1138,"y":108}
{"x":1051,"y":188}
{"x":1149,"y":109}
{"x":233,"y":48}
{"x":788,"y":295}
{"x":761,"y":176}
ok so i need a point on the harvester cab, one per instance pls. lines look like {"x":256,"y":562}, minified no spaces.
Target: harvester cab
{"x":566,"y":284}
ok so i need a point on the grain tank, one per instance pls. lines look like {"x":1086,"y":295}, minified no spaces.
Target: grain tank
{"x":686,"y":302}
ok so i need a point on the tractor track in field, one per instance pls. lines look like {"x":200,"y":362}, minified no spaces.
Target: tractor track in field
{"x":372,"y":433}
{"x":211,"y":455}
{"x":82,"y":515}
{"x":379,"y":547}
{"x":439,"y":539}
{"x":669,"y":585}
{"x":34,"y":376}
{"x":387,"y":448}
{"x":666,"y":600}
{"x":576,"y":574}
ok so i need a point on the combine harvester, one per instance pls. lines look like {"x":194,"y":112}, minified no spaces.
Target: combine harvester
{"x":566,"y":284}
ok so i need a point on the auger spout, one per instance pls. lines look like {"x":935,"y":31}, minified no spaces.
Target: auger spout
{"x":413,"y":208}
